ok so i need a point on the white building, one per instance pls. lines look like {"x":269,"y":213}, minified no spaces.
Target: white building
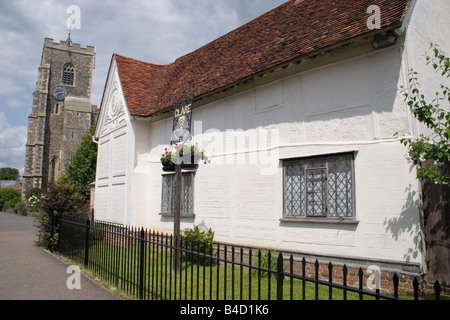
{"x":297,"y":111}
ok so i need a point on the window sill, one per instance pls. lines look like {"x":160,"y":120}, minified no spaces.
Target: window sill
{"x":320,"y":220}
{"x":171,"y":215}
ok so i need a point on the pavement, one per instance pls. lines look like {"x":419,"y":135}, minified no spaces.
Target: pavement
{"x":28,"y":272}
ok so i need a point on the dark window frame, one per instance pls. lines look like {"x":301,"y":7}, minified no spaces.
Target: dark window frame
{"x":316,"y":182}
{"x":187,"y":200}
{"x":68,"y":75}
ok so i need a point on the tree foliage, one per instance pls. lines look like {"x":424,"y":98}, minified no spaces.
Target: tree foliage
{"x":9,"y":174}
{"x":430,"y":152}
{"x":80,"y":170}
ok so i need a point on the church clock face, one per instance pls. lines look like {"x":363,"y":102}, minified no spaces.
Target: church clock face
{"x":59,"y":93}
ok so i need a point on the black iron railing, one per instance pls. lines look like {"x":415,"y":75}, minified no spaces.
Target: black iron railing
{"x":141,"y":264}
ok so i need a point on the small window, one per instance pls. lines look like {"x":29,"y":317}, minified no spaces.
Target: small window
{"x":321,"y":187}
{"x":187,"y":194}
{"x":58,"y":106}
{"x":68,"y":74}
{"x":53,"y":176}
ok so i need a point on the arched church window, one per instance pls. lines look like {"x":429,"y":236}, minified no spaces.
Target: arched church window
{"x":68,"y":74}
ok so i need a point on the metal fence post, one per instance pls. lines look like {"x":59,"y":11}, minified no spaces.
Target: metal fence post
{"x":145,"y":273}
{"x":437,"y":290}
{"x":61,"y":234}
{"x":141,"y":264}
{"x":86,"y":243}
{"x":416,"y":288}
{"x":280,"y":277}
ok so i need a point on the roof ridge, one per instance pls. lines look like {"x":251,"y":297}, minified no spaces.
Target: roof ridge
{"x":142,"y":61}
{"x":287,"y":33}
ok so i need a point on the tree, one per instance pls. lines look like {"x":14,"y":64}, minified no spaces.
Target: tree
{"x":70,"y":195}
{"x":430,"y":153}
{"x":81,"y":168}
{"x":9,"y":174}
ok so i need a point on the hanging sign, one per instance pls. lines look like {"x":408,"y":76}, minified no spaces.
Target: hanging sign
{"x":181,"y":131}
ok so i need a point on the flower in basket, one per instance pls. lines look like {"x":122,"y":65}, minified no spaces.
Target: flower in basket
{"x":191,"y":153}
{"x":166,"y":158}
{"x":184,"y":153}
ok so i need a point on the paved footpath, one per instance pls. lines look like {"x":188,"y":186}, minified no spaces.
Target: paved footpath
{"x":28,"y":272}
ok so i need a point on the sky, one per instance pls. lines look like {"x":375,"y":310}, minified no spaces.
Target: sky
{"x":156,"y":31}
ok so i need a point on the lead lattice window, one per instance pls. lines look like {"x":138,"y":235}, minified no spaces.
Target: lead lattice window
{"x":68,"y":74}
{"x":187,"y":194}
{"x":320,"y":187}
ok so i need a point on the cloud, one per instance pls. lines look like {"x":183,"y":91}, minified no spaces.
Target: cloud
{"x":10,"y":86}
{"x":12,"y":144}
{"x":156,"y":31}
{"x":14,"y":103}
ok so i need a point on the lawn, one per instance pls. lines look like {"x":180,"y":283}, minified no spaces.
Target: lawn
{"x":119,"y":267}
{"x":114,"y":257}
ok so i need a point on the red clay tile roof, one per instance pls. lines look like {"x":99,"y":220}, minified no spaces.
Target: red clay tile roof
{"x":295,"y":29}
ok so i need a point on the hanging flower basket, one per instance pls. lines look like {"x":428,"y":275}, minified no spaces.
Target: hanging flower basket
{"x":193,"y":164}
{"x":166,"y":161}
{"x":180,"y":155}
{"x":168,"y":167}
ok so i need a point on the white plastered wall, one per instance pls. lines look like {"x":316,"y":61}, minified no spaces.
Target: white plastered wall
{"x":115,"y":155}
{"x":353,"y":105}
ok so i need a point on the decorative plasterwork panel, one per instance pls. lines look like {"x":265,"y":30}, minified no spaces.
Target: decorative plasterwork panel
{"x":115,"y":116}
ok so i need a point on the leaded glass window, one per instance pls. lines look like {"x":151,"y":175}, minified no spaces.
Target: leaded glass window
{"x":187,"y":194}
{"x":167,"y":193}
{"x":321,"y":187}
{"x":68,"y":74}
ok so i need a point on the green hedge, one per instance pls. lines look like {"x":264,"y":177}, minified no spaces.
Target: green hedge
{"x":9,"y":198}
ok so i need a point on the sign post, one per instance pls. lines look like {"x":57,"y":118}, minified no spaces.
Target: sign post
{"x":181,"y":133}
{"x":177,"y":217}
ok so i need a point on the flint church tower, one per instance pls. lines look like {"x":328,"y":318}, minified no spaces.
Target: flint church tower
{"x":61,"y":112}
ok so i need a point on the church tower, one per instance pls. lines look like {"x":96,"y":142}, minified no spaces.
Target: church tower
{"x":61,"y":112}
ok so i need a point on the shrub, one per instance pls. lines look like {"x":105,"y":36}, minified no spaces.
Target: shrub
{"x":20,"y":207}
{"x":9,"y":198}
{"x":267,"y":259}
{"x":58,"y":200}
{"x":34,"y":199}
{"x":197,"y":241}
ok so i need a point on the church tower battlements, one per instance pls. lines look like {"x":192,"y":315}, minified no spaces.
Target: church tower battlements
{"x":61,"y":111}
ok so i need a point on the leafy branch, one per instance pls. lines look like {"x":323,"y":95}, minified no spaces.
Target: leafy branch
{"x":429,"y":153}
